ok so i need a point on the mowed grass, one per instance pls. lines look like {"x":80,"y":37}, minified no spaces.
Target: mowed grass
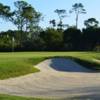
{"x":13,"y":66}
{"x":22,"y":63}
{"x":9,"y":97}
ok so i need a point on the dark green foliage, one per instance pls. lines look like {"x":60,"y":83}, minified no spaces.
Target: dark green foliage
{"x":90,"y":38}
{"x":91,"y":23}
{"x":90,"y":65}
{"x":52,"y":38}
{"x":72,"y":39}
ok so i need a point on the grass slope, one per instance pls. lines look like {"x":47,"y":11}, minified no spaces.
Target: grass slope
{"x":13,"y":66}
{"x":17,"y":64}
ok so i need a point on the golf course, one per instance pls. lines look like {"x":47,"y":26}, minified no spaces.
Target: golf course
{"x":49,"y":75}
{"x":49,"y":50}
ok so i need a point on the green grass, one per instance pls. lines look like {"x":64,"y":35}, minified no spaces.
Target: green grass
{"x":21,"y":63}
{"x":8,"y":97}
{"x":13,"y":66}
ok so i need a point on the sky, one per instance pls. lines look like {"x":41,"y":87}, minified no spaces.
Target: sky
{"x":47,"y":7}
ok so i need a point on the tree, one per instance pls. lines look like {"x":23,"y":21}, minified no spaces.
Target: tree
{"x":91,"y":22}
{"x":18,"y":19}
{"x":26,"y":18}
{"x":53,"y":22}
{"x":32,"y":18}
{"x":72,"y":37}
{"x":53,"y":39}
{"x":90,"y":38}
{"x":5,"y":12}
{"x":78,"y":8}
{"x":61,"y":14}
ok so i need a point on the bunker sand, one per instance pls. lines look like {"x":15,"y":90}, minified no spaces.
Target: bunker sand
{"x":58,"y":78}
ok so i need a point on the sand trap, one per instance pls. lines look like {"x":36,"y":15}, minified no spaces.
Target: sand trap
{"x":59,"y":78}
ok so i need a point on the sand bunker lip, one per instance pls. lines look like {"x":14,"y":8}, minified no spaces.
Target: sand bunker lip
{"x":62,"y":64}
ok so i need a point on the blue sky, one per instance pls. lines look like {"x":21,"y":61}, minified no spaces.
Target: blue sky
{"x":47,"y":7}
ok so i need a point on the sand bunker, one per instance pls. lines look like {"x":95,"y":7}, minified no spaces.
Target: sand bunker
{"x":58,"y":78}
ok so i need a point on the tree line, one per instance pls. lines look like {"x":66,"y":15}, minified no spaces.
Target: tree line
{"x":29,"y":36}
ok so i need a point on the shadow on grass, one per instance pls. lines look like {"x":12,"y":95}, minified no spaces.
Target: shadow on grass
{"x":88,"y":64}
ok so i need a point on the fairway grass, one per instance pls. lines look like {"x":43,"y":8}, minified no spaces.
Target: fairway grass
{"x":22,"y":63}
